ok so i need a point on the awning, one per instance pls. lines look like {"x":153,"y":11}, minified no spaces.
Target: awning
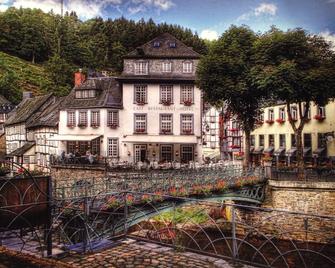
{"x":259,"y":150}
{"x":268,"y":150}
{"x":319,"y":151}
{"x":73,"y":137}
{"x":291,"y":152}
{"x":279,"y":152}
{"x":160,"y":139}
{"x":307,"y":150}
{"x":20,"y":151}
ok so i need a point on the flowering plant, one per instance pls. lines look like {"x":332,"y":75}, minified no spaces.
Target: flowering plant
{"x":140,"y":102}
{"x":187,"y":131}
{"x":158,"y":196}
{"x":187,"y":102}
{"x":280,"y":120}
{"x":140,"y":130}
{"x":129,"y":200}
{"x":114,"y":126}
{"x":146,"y":198}
{"x":113,"y":202}
{"x":166,"y":102}
{"x":319,"y":117}
{"x":269,"y":121}
{"x":221,"y":186}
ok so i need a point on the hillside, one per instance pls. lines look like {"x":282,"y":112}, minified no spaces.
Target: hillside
{"x":20,"y":76}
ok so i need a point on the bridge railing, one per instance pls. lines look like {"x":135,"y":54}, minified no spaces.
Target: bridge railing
{"x":153,"y":180}
{"x":326,"y":174}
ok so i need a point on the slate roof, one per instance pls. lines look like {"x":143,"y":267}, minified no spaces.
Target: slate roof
{"x":26,"y":109}
{"x":166,"y":78}
{"x":109,"y":94}
{"x":20,"y":151}
{"x":49,"y":117}
{"x":164,"y":50}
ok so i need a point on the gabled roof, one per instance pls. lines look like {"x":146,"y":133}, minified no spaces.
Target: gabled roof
{"x":49,"y":117}
{"x":160,"y":47}
{"x":109,"y":94}
{"x":26,"y":109}
{"x":20,"y":151}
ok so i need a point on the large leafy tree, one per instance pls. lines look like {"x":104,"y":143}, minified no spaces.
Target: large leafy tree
{"x":299,"y":69}
{"x":225,"y":76}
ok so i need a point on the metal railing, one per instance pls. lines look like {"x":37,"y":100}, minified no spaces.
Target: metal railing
{"x":326,"y":174}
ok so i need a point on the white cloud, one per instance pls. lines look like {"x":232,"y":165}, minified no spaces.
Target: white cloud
{"x":268,"y":9}
{"x":209,"y":34}
{"x":144,"y":5}
{"x":136,"y":9}
{"x":328,"y":36}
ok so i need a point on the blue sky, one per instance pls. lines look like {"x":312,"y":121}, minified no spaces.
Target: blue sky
{"x":209,"y":18}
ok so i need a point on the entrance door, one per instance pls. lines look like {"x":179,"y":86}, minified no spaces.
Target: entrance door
{"x":140,"y":152}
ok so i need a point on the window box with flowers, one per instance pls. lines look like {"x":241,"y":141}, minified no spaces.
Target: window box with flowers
{"x":235,"y":146}
{"x":280,"y":121}
{"x":166,"y":102}
{"x":319,"y":117}
{"x":113,"y":126}
{"x":233,"y":129}
{"x":140,"y":130}
{"x":269,"y":121}
{"x":187,"y":131}
{"x":166,"y":131}
{"x":70,"y":125}
{"x":140,"y":102}
{"x":187,"y":102}
{"x":95,"y":125}
{"x":82,"y":125}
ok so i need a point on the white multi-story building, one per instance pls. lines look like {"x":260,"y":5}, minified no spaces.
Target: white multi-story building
{"x":162,"y":107}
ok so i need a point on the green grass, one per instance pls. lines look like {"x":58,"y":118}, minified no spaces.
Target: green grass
{"x":180,"y":215}
{"x":31,"y":77}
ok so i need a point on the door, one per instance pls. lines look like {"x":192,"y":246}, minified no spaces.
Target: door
{"x":140,"y":152}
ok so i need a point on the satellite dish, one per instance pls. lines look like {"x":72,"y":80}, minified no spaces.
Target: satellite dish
{"x":330,"y":138}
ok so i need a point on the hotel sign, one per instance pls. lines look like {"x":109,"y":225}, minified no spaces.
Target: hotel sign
{"x":163,"y":108}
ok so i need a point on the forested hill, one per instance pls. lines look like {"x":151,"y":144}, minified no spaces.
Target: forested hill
{"x":64,"y":44}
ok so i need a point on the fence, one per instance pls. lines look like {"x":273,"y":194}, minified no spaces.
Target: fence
{"x":310,"y":174}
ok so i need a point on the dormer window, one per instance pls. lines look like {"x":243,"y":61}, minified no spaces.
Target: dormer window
{"x":157,"y":44}
{"x":166,"y":67}
{"x":172,"y":45}
{"x":85,"y":94}
{"x":141,"y":67}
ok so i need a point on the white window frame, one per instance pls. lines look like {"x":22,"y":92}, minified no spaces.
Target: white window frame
{"x":294,"y":112}
{"x":140,"y":94}
{"x":113,"y":147}
{"x":95,"y":118}
{"x":166,"y":66}
{"x":187,"y":67}
{"x":112,"y":118}
{"x":140,"y":123}
{"x":308,"y":112}
{"x":141,"y":67}
{"x":71,"y":118}
{"x":187,"y":124}
{"x":321,"y":110}
{"x":166,"y":94}
{"x":282,"y":113}
{"x":271,"y":115}
{"x":187,"y":93}
{"x":82,"y":121}
{"x":166,"y":123}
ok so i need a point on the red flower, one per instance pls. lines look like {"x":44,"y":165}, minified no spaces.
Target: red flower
{"x":269,"y":121}
{"x":280,"y":120}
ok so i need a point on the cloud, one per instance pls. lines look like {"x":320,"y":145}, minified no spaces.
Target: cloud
{"x":209,"y":34}
{"x":268,"y":9}
{"x":144,"y":5}
{"x":330,"y":37}
{"x":4,"y":4}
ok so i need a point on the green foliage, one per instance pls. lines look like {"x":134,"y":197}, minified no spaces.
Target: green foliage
{"x":183,"y":215}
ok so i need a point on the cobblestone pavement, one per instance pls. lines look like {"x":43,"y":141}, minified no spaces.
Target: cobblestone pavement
{"x":131,"y":254}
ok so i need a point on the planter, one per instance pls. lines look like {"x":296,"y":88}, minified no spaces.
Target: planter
{"x":140,"y":103}
{"x":141,"y":130}
{"x":319,"y":117}
{"x":280,"y":121}
{"x":187,"y":102}
{"x":187,"y":132}
{"x":270,"y":122}
{"x":166,"y":103}
{"x":82,"y":125}
{"x":113,"y":126}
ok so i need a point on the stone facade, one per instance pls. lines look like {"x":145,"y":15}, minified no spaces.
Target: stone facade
{"x":76,"y":172}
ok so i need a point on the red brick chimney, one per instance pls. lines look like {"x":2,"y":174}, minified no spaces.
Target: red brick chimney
{"x":79,"y":78}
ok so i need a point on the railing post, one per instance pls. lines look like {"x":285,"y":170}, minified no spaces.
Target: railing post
{"x":234,"y":242}
{"x":125,"y":214}
{"x":86,"y":214}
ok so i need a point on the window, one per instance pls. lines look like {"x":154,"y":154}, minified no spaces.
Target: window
{"x":252,"y":140}
{"x":172,"y":45}
{"x":186,"y":124}
{"x":140,"y":123}
{"x":166,"y":67}
{"x":26,"y":159}
{"x":166,"y":123}
{"x":322,"y":143}
{"x":271,"y":140}
{"x":186,"y":153}
{"x":95,"y":118}
{"x":71,"y":118}
{"x":261,"y":117}
{"x":113,"y":119}
{"x":321,"y":111}
{"x":271,"y":115}
{"x":186,"y":94}
{"x":167,"y":153}
{"x":140,"y":94}
{"x":166,"y":94}
{"x":282,"y":141}
{"x":187,"y":67}
{"x":85,"y":94}
{"x":95,"y":146}
{"x":82,"y":119}
{"x":141,"y":67}
{"x":113,"y":147}
{"x":308,"y":112}
{"x":157,"y":44}
{"x":282,"y":113}
{"x":307,"y":140}
{"x":293,"y":141}
{"x":294,"y":113}
{"x":261,"y":140}
{"x":71,"y":147}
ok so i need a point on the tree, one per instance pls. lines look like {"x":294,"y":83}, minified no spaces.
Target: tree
{"x":9,"y":85}
{"x":224,"y":75}
{"x":297,"y":68}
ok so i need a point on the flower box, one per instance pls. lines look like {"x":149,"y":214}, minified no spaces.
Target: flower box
{"x":70,"y":126}
{"x":81,"y":125}
{"x":187,"y":131}
{"x":95,"y":125}
{"x":166,"y":102}
{"x":140,"y":130}
{"x":269,"y":121}
{"x":319,"y":117}
{"x":187,"y":102}
{"x":235,"y":146}
{"x":140,"y":102}
{"x":166,"y":131}
{"x":113,"y":126}
{"x":280,"y":121}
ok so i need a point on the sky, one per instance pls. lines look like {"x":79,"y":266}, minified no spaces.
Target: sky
{"x":209,"y":18}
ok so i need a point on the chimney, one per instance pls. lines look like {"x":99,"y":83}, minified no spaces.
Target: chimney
{"x":27,"y":95}
{"x":79,"y":78}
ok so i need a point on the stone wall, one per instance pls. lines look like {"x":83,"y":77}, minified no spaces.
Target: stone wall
{"x":75,"y":172}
